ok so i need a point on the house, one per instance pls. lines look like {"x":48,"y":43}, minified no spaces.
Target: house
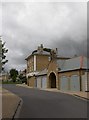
{"x":69,"y":75}
{"x":48,"y":70}
{"x":4,"y":77}
{"x":75,"y":73}
{"x":41,"y":79}
{"x":36,"y":62}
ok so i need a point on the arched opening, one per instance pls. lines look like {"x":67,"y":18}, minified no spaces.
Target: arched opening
{"x":52,"y":80}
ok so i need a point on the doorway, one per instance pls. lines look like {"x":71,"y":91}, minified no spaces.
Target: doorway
{"x":52,"y":80}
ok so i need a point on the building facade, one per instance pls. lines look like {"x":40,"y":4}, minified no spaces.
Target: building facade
{"x":4,"y":77}
{"x":36,"y":62}
{"x":47,"y":70}
{"x":69,"y":75}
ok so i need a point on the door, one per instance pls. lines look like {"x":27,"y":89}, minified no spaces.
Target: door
{"x":52,"y":80}
{"x":84,"y":82}
{"x":44,"y":82}
{"x":75,"y":83}
{"x":38,"y":82}
{"x":64,"y":83}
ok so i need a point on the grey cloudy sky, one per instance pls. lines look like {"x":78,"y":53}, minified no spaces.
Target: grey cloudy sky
{"x":27,"y":25}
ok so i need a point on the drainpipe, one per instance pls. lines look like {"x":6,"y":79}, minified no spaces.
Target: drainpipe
{"x":87,"y":80}
{"x":80,"y":72}
{"x":80,"y":75}
{"x":81,"y":64}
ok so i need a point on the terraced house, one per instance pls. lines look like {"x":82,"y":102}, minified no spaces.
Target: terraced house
{"x":45,"y":69}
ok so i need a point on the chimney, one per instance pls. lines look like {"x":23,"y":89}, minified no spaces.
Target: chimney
{"x":41,"y":46}
{"x":56,"y":51}
{"x":40,"y":49}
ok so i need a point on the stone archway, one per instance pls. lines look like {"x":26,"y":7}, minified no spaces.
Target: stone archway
{"x":52,"y":80}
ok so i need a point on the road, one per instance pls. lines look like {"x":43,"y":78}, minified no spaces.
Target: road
{"x":44,"y":104}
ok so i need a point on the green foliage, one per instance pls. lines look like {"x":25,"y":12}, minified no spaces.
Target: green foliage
{"x":20,"y":76}
{"x":3,"y":51}
{"x":0,"y":56}
{"x":11,"y":82}
{"x":23,"y":78}
{"x":13,"y":74}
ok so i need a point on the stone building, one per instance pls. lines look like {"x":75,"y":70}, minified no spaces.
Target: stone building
{"x":36,"y":62}
{"x":4,"y":77}
{"x":45,"y":69}
{"x":71,"y":74}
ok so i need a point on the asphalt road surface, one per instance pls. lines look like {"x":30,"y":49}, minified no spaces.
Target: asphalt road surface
{"x":44,"y":104}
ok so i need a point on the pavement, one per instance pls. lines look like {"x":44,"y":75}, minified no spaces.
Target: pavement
{"x":84,"y":95}
{"x":43,"y":104}
{"x":0,"y":102}
{"x":10,"y":104}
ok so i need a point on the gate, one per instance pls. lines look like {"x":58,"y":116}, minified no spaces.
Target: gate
{"x":64,"y":83}
{"x":38,"y":82}
{"x":44,"y":82}
{"x":75,"y":83}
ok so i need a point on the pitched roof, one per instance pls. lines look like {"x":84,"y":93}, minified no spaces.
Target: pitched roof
{"x":37,"y":53}
{"x":43,"y":53}
{"x":73,"y":63}
{"x":43,"y":72}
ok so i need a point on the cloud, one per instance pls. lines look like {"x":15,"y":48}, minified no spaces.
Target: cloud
{"x":67,"y":47}
{"x":0,"y":18}
{"x":26,"y":25}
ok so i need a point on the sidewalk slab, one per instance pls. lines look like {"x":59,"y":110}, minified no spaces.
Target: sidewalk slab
{"x":0,"y":103}
{"x":80,"y":94}
{"x":9,"y":104}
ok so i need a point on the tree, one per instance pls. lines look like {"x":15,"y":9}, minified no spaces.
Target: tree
{"x":3,"y":51}
{"x":22,"y":77}
{"x":13,"y":74}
